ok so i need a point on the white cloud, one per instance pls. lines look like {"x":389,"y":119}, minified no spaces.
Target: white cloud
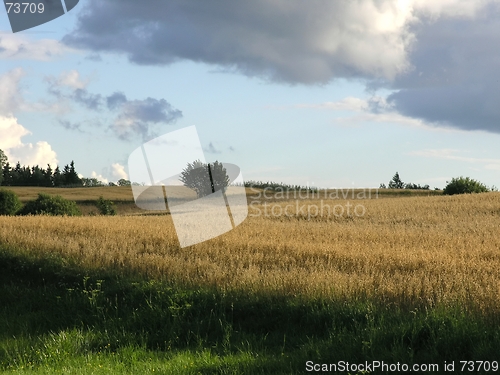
{"x":125,"y":127}
{"x":347,"y":104}
{"x":99,"y":177}
{"x":451,"y":154}
{"x":10,"y":96}
{"x":118,"y":171}
{"x":449,"y":8}
{"x":72,"y":79}
{"x":68,"y":87}
{"x":40,"y":153}
{"x":19,"y":47}
{"x":385,"y":117}
{"x":12,"y":132}
{"x":375,"y":109}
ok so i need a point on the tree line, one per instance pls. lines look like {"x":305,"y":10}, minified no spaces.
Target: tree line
{"x":47,"y":177}
{"x":193,"y":176}
{"x":397,"y":183}
{"x":36,"y":176}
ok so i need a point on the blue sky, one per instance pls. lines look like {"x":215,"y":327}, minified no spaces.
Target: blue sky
{"x":332,"y":94}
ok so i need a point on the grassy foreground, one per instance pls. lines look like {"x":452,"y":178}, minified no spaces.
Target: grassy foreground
{"x":413,"y":280}
{"x":58,"y":319}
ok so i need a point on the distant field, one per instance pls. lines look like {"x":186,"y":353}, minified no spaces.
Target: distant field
{"x":124,"y":200}
{"x":124,"y":193}
{"x":115,"y":193}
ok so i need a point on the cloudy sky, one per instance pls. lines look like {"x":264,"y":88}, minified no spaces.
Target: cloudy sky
{"x":327,"y":93}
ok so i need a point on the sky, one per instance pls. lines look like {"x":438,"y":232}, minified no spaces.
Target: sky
{"x":319,"y":92}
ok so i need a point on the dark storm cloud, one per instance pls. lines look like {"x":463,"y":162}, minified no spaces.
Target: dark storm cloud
{"x":456,"y":75}
{"x":291,"y":41}
{"x":442,"y":61}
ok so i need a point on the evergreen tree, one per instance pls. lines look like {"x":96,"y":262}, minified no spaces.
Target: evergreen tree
{"x":37,"y":176}
{"x":70,"y":175}
{"x":16,"y":174}
{"x":25,"y":178}
{"x":396,"y":182}
{"x":74,"y":179}
{"x":65,"y":174}
{"x":47,"y":176}
{"x":7,"y":175}
{"x":57,"y":178}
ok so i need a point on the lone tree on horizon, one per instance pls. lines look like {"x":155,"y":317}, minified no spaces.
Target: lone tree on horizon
{"x":396,"y":182}
{"x":205,"y":178}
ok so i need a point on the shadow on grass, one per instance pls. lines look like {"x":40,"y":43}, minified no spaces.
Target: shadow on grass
{"x":52,"y":313}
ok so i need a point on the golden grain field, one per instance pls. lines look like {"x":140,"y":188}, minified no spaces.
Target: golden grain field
{"x":410,"y":251}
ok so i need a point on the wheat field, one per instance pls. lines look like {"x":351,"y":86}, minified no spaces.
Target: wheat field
{"x":411,"y":251}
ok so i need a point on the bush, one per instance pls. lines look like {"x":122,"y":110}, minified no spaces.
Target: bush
{"x":105,"y":206}
{"x":50,"y":205}
{"x":9,"y":202}
{"x":463,"y":185}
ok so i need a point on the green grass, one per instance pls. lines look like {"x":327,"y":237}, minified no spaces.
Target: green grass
{"x":56,"y":318}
